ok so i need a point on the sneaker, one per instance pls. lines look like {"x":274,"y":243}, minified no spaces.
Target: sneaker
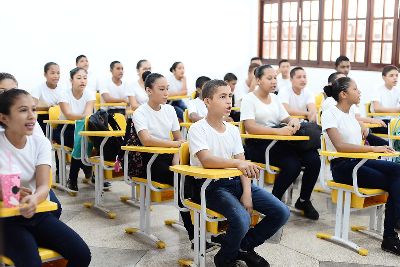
{"x":309,"y":211}
{"x":72,"y":186}
{"x":391,"y":244}
{"x":209,"y":246}
{"x":107,"y":186}
{"x":252,"y":259}
{"x":221,"y":262}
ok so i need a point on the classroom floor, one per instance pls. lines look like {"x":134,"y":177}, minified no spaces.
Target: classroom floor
{"x":298,"y":246}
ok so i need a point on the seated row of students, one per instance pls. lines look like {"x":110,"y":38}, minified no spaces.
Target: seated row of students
{"x":32,"y":157}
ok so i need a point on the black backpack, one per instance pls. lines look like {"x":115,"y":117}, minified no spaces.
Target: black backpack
{"x":99,"y":121}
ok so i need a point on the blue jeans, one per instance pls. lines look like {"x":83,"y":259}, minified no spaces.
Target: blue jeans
{"x":179,"y":107}
{"x":54,"y":199}
{"x":224,"y":196}
{"x":22,"y":237}
{"x":377,"y":174}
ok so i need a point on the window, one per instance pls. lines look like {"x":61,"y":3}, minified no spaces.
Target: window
{"x":316,"y":32}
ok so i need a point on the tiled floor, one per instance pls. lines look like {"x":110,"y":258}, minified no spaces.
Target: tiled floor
{"x":111,"y":246}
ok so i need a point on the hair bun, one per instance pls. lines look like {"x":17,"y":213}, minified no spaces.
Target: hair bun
{"x":328,"y":90}
{"x":145,"y":74}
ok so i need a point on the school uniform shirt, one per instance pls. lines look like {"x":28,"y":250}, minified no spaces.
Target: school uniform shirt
{"x":387,"y":98}
{"x":330,"y":102}
{"x":345,"y":123}
{"x":116,"y":91}
{"x":37,"y":130}
{"x":225,"y":145}
{"x":283,"y":84}
{"x":47,"y":97}
{"x":298,"y":102}
{"x":159,"y":123}
{"x":269,"y":115}
{"x":174,"y":85}
{"x":77,"y":105}
{"x":37,"y":151}
{"x":241,"y":90}
{"x":140,"y":94}
{"x":197,"y":106}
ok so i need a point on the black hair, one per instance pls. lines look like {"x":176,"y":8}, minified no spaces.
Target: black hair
{"x":173,"y":67}
{"x":230,"y":77}
{"x":112,"y":64}
{"x":200,"y":83}
{"x":211,"y":87}
{"x":253,"y":66}
{"x":7,"y":76}
{"x":293,"y":71}
{"x":256,"y":58}
{"x":340,"y":59}
{"x":388,"y":68}
{"x":333,"y":76}
{"x":150,"y":78}
{"x":7,"y":100}
{"x":338,"y":86}
{"x":283,"y":61}
{"x":48,"y":65}
{"x":74,"y":71}
{"x":140,"y":62}
{"x":79,"y":58}
{"x":259,"y":72}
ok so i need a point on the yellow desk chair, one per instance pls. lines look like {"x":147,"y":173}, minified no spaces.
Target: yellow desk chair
{"x":393,"y":127}
{"x":98,"y":162}
{"x":380,"y":114}
{"x":351,"y":197}
{"x":146,"y":187}
{"x":201,"y":216}
{"x":319,"y":98}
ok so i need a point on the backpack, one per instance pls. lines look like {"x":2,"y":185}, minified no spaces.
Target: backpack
{"x":99,"y":121}
{"x":396,"y":143}
{"x":312,"y":130}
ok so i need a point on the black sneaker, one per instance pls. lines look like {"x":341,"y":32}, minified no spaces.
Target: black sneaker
{"x":221,"y":262}
{"x":309,"y":211}
{"x":391,"y":244}
{"x":252,"y":259}
{"x":72,"y":186}
{"x":209,"y":246}
{"x":107,"y":186}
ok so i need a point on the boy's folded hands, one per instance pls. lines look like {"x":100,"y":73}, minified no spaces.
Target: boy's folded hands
{"x":249,"y":169}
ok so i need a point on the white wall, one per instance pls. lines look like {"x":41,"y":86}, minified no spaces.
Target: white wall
{"x":210,"y":37}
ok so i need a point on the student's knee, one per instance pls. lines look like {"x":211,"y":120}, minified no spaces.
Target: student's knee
{"x":81,"y":255}
{"x":27,"y":258}
{"x":240,"y":223}
{"x":282,"y":214}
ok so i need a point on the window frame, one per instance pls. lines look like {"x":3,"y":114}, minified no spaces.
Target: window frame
{"x":366,"y":65}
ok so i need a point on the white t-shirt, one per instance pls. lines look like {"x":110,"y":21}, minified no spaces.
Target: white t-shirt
{"x":269,"y":115}
{"x":241,"y":90}
{"x":345,"y":123}
{"x":387,"y":98}
{"x":140,"y":94}
{"x":283,"y":84}
{"x":47,"y":97}
{"x":122,"y":91}
{"x":77,"y":105}
{"x":330,"y":102}
{"x":37,"y":130}
{"x":202,"y":136}
{"x":298,"y":102}
{"x":197,"y":106}
{"x":174,"y":84}
{"x":37,"y":151}
{"x":159,"y":123}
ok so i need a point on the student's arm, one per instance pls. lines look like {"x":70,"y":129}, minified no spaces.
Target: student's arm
{"x":312,"y":112}
{"x":66,"y":110}
{"x":88,"y":108}
{"x":29,"y":203}
{"x":246,"y":198}
{"x":341,"y":146}
{"x":370,"y":120}
{"x":132,"y":102}
{"x":109,"y":99}
{"x":184,"y":86}
{"x":147,"y":140}
{"x":177,"y":136}
{"x":252,"y":127}
{"x":379,"y":108}
{"x":194,"y":117}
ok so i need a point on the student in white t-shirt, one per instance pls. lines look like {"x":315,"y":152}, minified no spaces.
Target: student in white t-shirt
{"x":262,"y":113}
{"x":343,"y":65}
{"x":117,"y":91}
{"x":231,"y":80}
{"x":283,"y":81}
{"x":343,"y":134}
{"x":48,"y":93}
{"x":386,"y":98}
{"x":30,"y":155}
{"x":214,"y":143}
{"x":298,"y":100}
{"x":141,"y":96}
{"x":75,"y":104}
{"x":178,"y":86}
{"x":196,"y":107}
{"x":154,"y":121}
{"x":247,"y":85}
{"x":82,"y":61}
